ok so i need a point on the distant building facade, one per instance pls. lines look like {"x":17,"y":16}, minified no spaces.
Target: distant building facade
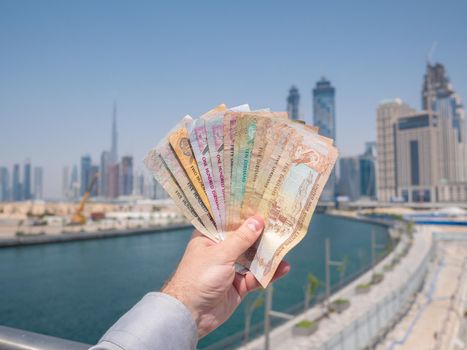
{"x":114,"y":181}
{"x":349,"y":182}
{"x":94,"y":172}
{"x":388,"y":114}
{"x":4,"y":184}
{"x":127,"y":176}
{"x":293,"y":103}
{"x":358,"y":174}
{"x":74,"y":183}
{"x":104,"y":174}
{"x":417,"y":157}
{"x":86,"y":165}
{"x":367,"y":165}
{"x":422,"y":156}
{"x":324,"y":117}
{"x":438,"y":96}
{"x":17,"y":191}
{"x":27,"y":193}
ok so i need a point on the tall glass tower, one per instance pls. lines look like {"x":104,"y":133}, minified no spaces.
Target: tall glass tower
{"x":438,"y":95}
{"x":27,"y":193}
{"x":293,"y":103}
{"x":17,"y":194}
{"x":127,"y":175}
{"x":85,"y":173}
{"x":324,"y":117}
{"x":4,"y":184}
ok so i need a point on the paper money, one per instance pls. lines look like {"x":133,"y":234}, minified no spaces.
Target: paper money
{"x":162,"y":174}
{"x":180,"y":142}
{"x":229,"y":165}
{"x":230,"y":132}
{"x":199,"y":145}
{"x":246,"y":129}
{"x":266,"y":134}
{"x":214,"y":125}
{"x":292,"y":202}
{"x":167,"y":154}
{"x":246,"y":133}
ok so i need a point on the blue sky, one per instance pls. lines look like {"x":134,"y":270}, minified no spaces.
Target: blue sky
{"x":63,"y":63}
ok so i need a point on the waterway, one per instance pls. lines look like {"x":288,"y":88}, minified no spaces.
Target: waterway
{"x":77,"y":290}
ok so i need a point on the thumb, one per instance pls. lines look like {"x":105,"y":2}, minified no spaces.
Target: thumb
{"x":244,"y":237}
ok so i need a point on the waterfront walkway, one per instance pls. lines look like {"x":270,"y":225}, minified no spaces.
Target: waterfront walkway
{"x":369,"y":314}
{"x":437,"y":319}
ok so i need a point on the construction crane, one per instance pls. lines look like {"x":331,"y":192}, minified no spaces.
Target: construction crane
{"x":78,"y":218}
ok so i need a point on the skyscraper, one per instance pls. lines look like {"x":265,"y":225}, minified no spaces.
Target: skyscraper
{"x":114,"y":137}
{"x":349,"y":182}
{"x":27,"y":193}
{"x":104,"y":174}
{"x":388,"y":113}
{"x":38,"y":188}
{"x":438,"y":96}
{"x":93,"y":172}
{"x":293,"y":103}
{"x":4,"y":184}
{"x":17,"y":190}
{"x":358,"y":174}
{"x":324,"y":117}
{"x":114,"y":180}
{"x":127,"y":175}
{"x":74,"y":183}
{"x":85,"y":173}
{"x":368,"y":171}
{"x":139,"y":188}
{"x":417,"y":157}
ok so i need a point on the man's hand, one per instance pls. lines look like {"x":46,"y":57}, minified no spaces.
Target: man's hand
{"x":206,"y":281}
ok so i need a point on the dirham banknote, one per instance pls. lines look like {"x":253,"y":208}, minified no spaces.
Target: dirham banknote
{"x":230,"y":164}
{"x":289,"y":202}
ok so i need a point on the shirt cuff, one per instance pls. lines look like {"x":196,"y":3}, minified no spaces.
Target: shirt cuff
{"x":158,"y":321}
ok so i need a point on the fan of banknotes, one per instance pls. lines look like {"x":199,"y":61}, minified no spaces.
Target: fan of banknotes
{"x":230,"y":164}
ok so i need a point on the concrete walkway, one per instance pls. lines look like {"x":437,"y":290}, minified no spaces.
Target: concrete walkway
{"x":436,"y":320}
{"x":368,"y":313}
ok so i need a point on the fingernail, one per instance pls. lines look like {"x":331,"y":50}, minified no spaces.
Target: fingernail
{"x":253,"y":224}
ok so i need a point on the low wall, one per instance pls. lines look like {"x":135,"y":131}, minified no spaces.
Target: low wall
{"x":82,"y":236}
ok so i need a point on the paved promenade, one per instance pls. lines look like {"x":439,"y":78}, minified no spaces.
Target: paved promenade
{"x":437,"y":318}
{"x":368,"y":313}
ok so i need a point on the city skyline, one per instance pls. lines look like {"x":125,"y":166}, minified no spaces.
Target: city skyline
{"x":60,"y":102}
{"x":422,"y":153}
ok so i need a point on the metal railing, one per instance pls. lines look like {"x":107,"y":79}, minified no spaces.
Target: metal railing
{"x":235,"y":340}
{"x":370,"y":328}
{"x":17,"y":339}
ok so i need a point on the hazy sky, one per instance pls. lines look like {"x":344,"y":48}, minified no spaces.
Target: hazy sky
{"x":63,"y":63}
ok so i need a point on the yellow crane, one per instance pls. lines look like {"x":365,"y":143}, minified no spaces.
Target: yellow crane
{"x":78,"y":218}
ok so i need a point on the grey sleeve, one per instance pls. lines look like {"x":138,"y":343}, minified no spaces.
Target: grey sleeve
{"x":158,"y":321}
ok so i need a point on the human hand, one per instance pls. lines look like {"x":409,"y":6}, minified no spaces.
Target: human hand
{"x":205,"y":280}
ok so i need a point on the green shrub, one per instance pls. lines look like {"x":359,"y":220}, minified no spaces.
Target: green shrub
{"x":305,"y":324}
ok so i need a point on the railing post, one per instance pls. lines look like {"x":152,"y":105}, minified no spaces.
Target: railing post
{"x":267,"y":316}
{"x":327,"y":249}
{"x":373,"y":248}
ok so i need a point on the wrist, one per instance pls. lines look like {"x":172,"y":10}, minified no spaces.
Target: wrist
{"x":178,"y":294}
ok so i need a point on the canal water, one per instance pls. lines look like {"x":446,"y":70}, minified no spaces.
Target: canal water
{"x":77,"y":290}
